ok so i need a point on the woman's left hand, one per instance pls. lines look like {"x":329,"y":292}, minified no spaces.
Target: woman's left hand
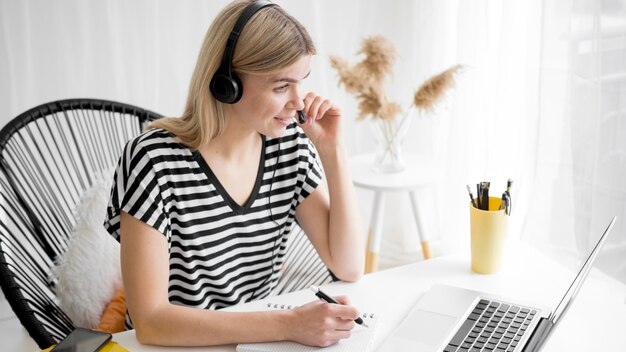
{"x":323,"y":125}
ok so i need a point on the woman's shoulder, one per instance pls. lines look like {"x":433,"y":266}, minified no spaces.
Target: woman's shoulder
{"x":155,"y":135}
{"x":156,"y":139}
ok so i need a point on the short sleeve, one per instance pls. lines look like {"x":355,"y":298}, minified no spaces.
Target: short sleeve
{"x":310,"y":173}
{"x":136,"y":191}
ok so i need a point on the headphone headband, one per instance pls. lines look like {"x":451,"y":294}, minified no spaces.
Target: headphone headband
{"x":229,"y":50}
{"x":225,"y":85}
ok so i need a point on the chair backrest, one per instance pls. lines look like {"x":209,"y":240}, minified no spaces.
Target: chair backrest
{"x":302,"y":266}
{"x":49,"y":156}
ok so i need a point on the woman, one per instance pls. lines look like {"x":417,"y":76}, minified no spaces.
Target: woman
{"x":203,"y":204}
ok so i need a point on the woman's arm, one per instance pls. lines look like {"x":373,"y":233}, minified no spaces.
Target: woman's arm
{"x":145,"y":272}
{"x":330,"y":217}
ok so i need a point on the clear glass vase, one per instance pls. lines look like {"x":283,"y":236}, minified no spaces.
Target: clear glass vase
{"x":389,"y":135}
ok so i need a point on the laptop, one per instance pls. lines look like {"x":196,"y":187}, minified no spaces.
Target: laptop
{"x":453,"y":319}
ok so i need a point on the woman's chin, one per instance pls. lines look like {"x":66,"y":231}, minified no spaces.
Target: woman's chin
{"x":275,"y":133}
{"x":278,"y":128}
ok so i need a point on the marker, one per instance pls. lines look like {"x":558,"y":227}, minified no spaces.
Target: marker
{"x":484,"y":196}
{"x":326,"y":298}
{"x":509,"y":183}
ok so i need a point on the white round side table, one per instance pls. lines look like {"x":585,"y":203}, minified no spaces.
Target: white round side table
{"x":418,"y":174}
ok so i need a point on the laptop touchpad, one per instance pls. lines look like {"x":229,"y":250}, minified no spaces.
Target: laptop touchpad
{"x":426,"y":327}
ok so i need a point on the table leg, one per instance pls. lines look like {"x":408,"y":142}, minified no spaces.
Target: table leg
{"x":418,"y":223}
{"x":375,"y":233}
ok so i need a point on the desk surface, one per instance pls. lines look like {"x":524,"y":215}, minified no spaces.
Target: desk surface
{"x":527,"y":274}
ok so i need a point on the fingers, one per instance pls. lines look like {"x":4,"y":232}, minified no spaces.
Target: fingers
{"x":324,"y":324}
{"x":315,"y":107}
{"x":337,"y":316}
{"x":336,"y":329}
{"x":345,"y":324}
{"x":343,"y":300}
{"x":344,"y":310}
{"x":341,"y":311}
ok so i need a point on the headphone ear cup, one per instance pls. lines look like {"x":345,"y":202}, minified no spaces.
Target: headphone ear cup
{"x":227,"y":89}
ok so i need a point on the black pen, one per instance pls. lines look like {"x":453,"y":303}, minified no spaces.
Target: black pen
{"x":469,"y":190}
{"x":509,"y":203}
{"x":326,"y":298}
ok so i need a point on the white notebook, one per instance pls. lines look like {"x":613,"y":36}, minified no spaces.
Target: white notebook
{"x":360,"y":340}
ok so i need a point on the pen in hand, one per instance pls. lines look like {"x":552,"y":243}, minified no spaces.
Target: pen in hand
{"x":326,"y":298}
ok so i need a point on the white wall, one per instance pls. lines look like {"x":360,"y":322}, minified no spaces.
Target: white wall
{"x":511,"y":115}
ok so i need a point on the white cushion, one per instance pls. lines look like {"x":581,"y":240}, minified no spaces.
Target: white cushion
{"x":89,"y":274}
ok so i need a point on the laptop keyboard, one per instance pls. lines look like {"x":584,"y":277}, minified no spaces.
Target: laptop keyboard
{"x":492,"y":326}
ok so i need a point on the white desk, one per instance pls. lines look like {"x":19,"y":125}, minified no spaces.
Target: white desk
{"x":419,"y":174}
{"x":526,"y":274}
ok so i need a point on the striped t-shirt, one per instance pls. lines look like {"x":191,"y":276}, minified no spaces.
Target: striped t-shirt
{"x":220,"y":253}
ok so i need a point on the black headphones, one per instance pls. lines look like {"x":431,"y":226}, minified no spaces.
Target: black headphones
{"x":225,"y":86}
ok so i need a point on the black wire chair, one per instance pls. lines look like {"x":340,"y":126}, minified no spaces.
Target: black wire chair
{"x":49,"y":156}
{"x":302,"y":266}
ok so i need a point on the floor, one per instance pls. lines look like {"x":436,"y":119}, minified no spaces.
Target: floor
{"x":13,"y":336}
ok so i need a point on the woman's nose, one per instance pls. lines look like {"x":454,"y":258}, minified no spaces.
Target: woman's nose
{"x":297,"y":101}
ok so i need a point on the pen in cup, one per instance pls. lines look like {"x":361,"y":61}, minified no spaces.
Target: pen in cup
{"x":483,"y":202}
{"x":506,"y":198}
{"x":469,"y":190}
{"x":482,"y":197}
{"x":326,"y":298}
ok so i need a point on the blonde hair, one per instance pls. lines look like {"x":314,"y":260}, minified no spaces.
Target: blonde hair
{"x":270,"y":41}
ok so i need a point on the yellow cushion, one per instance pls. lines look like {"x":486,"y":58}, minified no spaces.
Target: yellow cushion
{"x":114,"y":315}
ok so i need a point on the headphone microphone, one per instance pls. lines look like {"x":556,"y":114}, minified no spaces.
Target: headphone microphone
{"x":301,"y":117}
{"x":225,"y":85}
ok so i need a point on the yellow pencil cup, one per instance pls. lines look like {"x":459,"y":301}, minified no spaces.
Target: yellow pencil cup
{"x":488,"y":230}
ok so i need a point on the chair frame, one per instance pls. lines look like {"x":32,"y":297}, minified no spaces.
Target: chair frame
{"x":12,"y":199}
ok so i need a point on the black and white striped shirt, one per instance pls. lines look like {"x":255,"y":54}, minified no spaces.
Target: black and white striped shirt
{"x":220,"y":253}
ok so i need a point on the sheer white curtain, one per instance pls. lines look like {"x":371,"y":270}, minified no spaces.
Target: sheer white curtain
{"x":581,"y":148}
{"x":541,"y":98}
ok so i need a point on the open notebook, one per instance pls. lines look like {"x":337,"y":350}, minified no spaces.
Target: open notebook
{"x":360,"y":340}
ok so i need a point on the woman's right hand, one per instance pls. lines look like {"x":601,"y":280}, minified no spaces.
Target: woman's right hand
{"x":323,"y":324}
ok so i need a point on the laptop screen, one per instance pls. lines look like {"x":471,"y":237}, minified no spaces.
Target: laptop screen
{"x":580,"y":278}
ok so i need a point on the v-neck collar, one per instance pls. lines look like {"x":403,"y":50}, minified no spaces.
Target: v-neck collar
{"x":236,"y":207}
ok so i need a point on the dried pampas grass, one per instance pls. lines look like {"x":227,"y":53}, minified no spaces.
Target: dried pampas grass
{"x":380,"y":55}
{"x":366,"y":80}
{"x":431,"y":91}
